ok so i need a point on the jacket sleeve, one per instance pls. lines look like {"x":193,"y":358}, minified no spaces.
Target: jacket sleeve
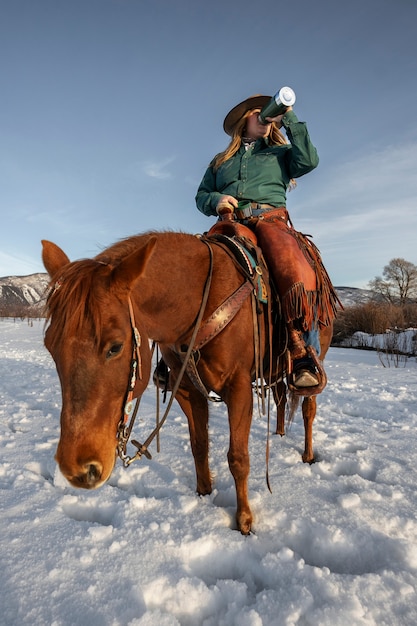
{"x":207,"y":196}
{"x":302,"y":157}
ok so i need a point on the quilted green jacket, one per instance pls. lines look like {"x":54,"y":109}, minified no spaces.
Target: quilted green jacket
{"x":262,"y":172}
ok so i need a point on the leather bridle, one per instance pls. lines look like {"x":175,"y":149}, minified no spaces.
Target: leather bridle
{"x":127,"y":420}
{"x":201,"y":335}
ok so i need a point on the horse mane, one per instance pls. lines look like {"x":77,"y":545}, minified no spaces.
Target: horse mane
{"x":74,"y":300}
{"x":77,"y":290}
{"x":115,"y":253}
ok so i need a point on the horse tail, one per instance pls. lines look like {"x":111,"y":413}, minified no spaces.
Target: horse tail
{"x":292,"y":406}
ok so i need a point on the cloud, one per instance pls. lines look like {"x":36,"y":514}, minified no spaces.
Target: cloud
{"x":376,"y":191}
{"x":151,"y":168}
{"x":362,"y":213}
{"x":386,"y":175}
{"x":158,"y":169}
{"x":18,"y":265}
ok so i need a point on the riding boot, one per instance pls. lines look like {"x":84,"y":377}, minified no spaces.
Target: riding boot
{"x":305,"y":373}
{"x":307,"y":376}
{"x":161,"y":374}
{"x":296,"y":344}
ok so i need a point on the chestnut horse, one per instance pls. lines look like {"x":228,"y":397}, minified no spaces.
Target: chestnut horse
{"x":163,"y":276}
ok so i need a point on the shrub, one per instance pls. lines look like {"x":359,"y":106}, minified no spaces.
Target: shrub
{"x":373,"y":318}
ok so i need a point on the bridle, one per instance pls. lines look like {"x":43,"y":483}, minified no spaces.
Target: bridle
{"x":127,"y":420}
{"x":197,"y":339}
{"x":124,"y":428}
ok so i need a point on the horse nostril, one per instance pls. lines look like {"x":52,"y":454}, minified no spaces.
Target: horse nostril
{"x":90,"y":476}
{"x":93,"y":473}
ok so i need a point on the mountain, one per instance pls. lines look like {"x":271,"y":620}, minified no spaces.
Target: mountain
{"x":352,"y":296}
{"x":29,"y":291}
{"x":19,"y":292}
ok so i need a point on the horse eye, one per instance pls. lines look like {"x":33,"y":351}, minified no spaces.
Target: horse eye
{"x":114,"y":350}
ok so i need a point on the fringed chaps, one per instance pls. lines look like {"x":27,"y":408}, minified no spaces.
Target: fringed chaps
{"x":303,"y":285}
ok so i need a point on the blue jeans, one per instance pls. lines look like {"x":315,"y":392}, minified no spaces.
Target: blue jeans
{"x":312,"y":338}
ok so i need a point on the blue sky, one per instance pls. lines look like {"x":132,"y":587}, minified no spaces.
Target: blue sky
{"x":112,"y":109}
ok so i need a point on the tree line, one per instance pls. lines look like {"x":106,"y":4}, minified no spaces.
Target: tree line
{"x":392,"y":306}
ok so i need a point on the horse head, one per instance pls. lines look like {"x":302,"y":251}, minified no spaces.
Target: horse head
{"x":90,"y":337}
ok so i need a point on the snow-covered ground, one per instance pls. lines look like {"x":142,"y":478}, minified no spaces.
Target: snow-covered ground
{"x":393,"y":346}
{"x":335,"y":543}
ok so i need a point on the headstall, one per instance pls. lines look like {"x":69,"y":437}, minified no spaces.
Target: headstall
{"x":125,"y":425}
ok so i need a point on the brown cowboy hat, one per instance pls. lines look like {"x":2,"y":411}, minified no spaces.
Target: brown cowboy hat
{"x":254,"y":102}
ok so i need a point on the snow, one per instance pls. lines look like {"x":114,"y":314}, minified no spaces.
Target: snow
{"x":335,"y":543}
{"x":392,"y":342}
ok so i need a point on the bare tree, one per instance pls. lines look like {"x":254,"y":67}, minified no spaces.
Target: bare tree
{"x":398,"y":284}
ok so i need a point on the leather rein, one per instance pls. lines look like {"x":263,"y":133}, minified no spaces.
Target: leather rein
{"x":202,"y":334}
{"x":127,"y":420}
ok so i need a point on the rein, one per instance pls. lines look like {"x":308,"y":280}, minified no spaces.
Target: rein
{"x":125,"y":426}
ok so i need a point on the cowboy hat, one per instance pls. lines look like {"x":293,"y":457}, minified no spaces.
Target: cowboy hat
{"x":254,"y":102}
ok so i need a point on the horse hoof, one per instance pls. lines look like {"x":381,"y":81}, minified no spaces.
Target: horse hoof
{"x":307,"y":460}
{"x":245,"y":526}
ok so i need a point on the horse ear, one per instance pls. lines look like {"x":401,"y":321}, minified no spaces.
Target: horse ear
{"x":133,"y":266}
{"x":53,"y":257}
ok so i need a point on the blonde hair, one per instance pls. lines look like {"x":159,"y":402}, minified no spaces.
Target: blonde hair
{"x":275,"y":138}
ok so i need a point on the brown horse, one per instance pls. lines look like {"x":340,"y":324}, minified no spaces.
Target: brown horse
{"x":89,"y":336}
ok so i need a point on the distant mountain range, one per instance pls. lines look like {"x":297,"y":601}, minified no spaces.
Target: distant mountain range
{"x":352,"y":296}
{"x":18,"y":292}
{"x":29,"y":291}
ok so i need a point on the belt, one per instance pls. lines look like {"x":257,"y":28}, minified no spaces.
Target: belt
{"x":259,"y":205}
{"x":258,"y":209}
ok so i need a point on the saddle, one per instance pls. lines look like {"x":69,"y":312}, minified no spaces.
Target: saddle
{"x":299,"y":277}
{"x":306,"y":296}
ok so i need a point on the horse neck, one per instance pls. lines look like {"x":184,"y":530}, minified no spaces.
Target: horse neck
{"x":169,"y":294}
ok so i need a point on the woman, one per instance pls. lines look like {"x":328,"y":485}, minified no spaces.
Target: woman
{"x":256,"y":169}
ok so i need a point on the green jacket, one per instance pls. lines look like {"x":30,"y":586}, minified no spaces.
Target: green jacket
{"x":261,"y":173}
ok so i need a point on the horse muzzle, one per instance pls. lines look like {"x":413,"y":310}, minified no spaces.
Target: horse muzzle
{"x":89,"y":475}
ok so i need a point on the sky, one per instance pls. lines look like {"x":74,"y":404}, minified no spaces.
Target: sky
{"x":334,"y":544}
{"x":111,"y":111}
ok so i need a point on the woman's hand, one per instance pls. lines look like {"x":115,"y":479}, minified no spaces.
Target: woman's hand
{"x":226,"y":204}
{"x":278,"y":118}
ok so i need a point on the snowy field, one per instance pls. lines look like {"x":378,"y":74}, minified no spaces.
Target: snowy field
{"x":335,"y":543}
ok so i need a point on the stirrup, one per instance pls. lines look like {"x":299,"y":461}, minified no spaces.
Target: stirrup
{"x":321,"y":375}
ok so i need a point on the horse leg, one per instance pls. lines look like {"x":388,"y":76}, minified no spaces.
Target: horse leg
{"x":309,"y":408}
{"x":240,"y":406}
{"x":195,"y":408}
